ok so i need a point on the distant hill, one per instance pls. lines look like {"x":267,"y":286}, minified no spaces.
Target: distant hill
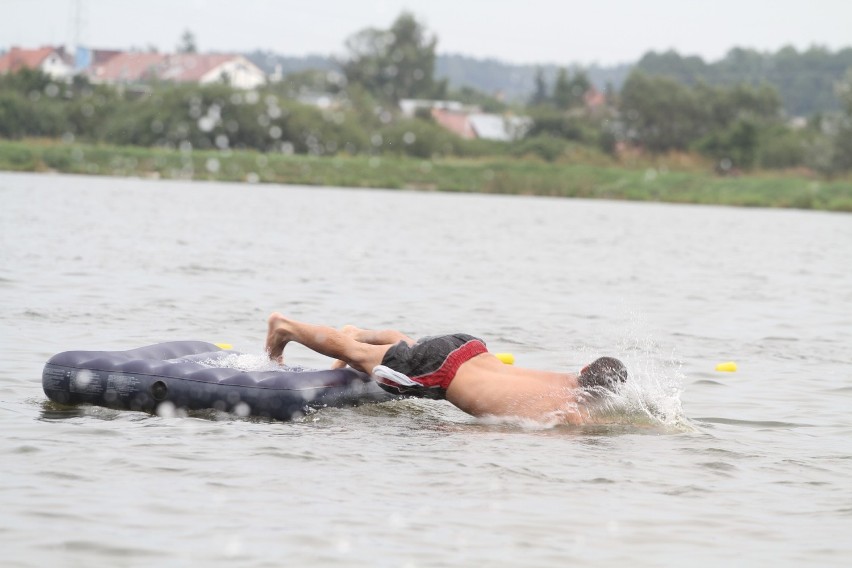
{"x":490,"y":76}
{"x":516,"y":82}
{"x":269,"y":61}
{"x":805,"y":80}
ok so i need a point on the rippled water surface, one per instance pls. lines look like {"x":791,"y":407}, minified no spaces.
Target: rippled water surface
{"x":695,"y":467}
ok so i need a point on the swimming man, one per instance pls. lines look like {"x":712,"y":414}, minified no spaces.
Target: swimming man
{"x":456,"y":367}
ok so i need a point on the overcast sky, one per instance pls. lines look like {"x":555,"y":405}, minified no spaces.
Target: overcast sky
{"x":516,"y":31}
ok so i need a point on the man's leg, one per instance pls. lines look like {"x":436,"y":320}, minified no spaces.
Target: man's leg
{"x":373,"y":337}
{"x":376,"y":336}
{"x":324,"y":340}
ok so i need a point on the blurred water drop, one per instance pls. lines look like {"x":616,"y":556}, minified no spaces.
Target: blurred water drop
{"x":166,"y":410}
{"x":242,"y":409}
{"x":234,"y":547}
{"x":82,"y":380}
{"x":343,"y":546}
{"x":206,"y":123}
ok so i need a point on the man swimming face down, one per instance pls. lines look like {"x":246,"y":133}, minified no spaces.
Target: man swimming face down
{"x":457,"y":367}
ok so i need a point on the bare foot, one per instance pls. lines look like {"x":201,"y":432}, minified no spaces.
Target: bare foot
{"x":277,"y":336}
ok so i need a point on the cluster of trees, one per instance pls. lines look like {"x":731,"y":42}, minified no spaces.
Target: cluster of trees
{"x":569,"y":90}
{"x":213,"y":116}
{"x":739,"y":125}
{"x":805,"y":80}
{"x":394,"y":64}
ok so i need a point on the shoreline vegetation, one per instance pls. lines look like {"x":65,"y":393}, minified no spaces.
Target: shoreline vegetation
{"x":650,"y":179}
{"x":674,"y":130}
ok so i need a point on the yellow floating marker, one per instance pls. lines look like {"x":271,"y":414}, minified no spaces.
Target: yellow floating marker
{"x":225,"y":346}
{"x":727,"y":367}
{"x":507,"y":358}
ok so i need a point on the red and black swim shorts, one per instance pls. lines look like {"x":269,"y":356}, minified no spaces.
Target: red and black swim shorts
{"x":431,"y":363}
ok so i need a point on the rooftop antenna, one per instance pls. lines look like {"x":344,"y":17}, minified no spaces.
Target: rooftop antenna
{"x":75,"y":25}
{"x":76,"y":51}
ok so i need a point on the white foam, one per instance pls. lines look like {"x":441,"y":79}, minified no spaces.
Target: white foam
{"x":246,"y":362}
{"x":652,"y":395}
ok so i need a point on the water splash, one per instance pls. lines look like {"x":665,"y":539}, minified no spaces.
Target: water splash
{"x":652,"y":395}
{"x":248,"y":362}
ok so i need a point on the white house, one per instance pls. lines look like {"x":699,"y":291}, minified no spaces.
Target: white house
{"x":200,"y":68}
{"x":51,"y":60}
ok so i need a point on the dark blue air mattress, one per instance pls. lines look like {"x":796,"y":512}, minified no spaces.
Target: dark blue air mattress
{"x":185,"y":374}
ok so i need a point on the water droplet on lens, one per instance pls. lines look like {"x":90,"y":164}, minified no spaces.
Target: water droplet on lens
{"x":166,"y":410}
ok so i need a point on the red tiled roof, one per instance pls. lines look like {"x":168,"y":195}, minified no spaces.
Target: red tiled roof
{"x":191,"y":67}
{"x":101,"y":56}
{"x":128,"y":67}
{"x":17,"y":58}
{"x":456,"y":122}
{"x":181,"y":67}
{"x":594,"y":98}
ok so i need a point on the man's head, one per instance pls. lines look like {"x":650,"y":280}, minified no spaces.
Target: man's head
{"x":603,"y":373}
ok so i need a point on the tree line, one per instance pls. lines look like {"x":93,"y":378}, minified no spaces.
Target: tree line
{"x":738,"y":125}
{"x":805,"y":79}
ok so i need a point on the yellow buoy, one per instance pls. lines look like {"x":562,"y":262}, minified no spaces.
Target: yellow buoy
{"x":225,"y":346}
{"x":507,"y":358}
{"x":727,"y":367}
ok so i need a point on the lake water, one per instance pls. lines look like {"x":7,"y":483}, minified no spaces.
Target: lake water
{"x":697,"y":467}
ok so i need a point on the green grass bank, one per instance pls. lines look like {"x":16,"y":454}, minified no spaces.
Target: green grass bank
{"x":497,"y":175}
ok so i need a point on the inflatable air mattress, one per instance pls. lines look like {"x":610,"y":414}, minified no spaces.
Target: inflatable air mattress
{"x":195,"y":375}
